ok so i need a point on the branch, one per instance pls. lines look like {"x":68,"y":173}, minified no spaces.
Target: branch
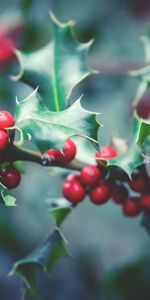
{"x":16,"y":153}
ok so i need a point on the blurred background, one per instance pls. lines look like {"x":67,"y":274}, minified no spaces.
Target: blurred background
{"x":110,"y":253}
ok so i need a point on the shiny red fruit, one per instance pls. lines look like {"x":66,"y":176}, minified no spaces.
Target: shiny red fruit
{"x":72,"y":176}
{"x":90,"y":175}
{"x":73,"y":191}
{"x":6,"y":49}
{"x":145,"y":201}
{"x":101,"y":193}
{"x":119,"y":194}
{"x":131,"y":207}
{"x":10,"y":177}
{"x":143,"y":106}
{"x":6,"y":119}
{"x":106,"y":151}
{"x":56,"y":154}
{"x":3,"y":140}
{"x":139,"y":182}
{"x":69,"y":151}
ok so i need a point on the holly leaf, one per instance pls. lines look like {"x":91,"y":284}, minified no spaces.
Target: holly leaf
{"x":85,"y":151}
{"x":19,"y":166}
{"x":43,"y":258}
{"x":49,"y":129}
{"x":143,"y":73}
{"x":57,"y":67}
{"x":6,"y":199}
{"x":60,"y":209}
{"x":144,"y":132}
{"x":133,"y":157}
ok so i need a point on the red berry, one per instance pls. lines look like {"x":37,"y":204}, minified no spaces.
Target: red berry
{"x":106,"y":151}
{"x":90,"y":175}
{"x":120,"y":194}
{"x":6,"y":49}
{"x":138,"y":182}
{"x":10,"y":177}
{"x":65,"y":156}
{"x":101,"y":193}
{"x":69,"y":151}
{"x":6,"y":119}
{"x":131,"y":207}
{"x":57,"y":154}
{"x":73,"y":191}
{"x":71,"y":177}
{"x":3,"y":140}
{"x":143,"y":107}
{"x":145,"y":201}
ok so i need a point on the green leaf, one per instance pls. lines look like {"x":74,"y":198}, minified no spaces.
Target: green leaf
{"x":56,"y":68}
{"x":60,"y":210}
{"x":44,"y":257}
{"x":50,"y":129}
{"x":86,"y":151}
{"x":19,"y":166}
{"x":143,"y":73}
{"x":133,"y":156}
{"x":8,"y":200}
{"x":144,"y":132}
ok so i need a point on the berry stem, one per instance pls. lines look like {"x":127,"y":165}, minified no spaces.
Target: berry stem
{"x":16,"y":153}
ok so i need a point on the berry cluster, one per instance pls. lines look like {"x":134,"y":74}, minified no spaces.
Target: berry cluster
{"x":100,"y":184}
{"x":6,"y":121}
{"x":9,"y":176}
{"x":65,"y":156}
